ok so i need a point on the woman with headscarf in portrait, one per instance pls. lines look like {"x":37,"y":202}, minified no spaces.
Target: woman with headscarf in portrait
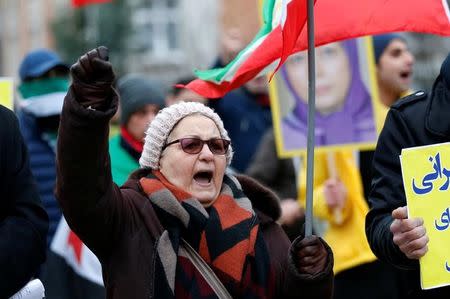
{"x":179,"y":227}
{"x":343,"y":104}
{"x":344,"y":114}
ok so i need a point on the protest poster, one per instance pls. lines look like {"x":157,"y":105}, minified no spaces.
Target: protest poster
{"x":348,"y":113}
{"x":7,"y":92}
{"x":426,"y":179}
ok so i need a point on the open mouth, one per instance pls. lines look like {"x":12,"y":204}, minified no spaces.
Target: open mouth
{"x":203,"y":177}
{"x":405,"y":74}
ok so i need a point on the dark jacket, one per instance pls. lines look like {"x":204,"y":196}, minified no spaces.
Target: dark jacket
{"x":42,"y":164}
{"x":23,"y":221}
{"x":246,"y":121}
{"x":120,"y":225}
{"x":416,"y":120}
{"x":276,"y":173}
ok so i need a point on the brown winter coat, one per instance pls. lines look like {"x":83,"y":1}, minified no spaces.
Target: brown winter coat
{"x":120,"y":225}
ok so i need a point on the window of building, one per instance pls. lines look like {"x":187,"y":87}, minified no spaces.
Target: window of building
{"x":156,"y":25}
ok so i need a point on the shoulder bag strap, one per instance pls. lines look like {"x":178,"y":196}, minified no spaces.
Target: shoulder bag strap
{"x":206,"y":271}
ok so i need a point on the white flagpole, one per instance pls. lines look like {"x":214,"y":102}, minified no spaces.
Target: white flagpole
{"x":311,"y":120}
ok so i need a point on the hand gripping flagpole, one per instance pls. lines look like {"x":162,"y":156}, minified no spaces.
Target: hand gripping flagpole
{"x":311,"y":120}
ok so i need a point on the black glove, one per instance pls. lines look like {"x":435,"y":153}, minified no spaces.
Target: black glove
{"x":312,"y":255}
{"x":93,"y":77}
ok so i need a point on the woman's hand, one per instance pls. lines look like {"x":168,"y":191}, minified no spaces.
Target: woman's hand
{"x":312,"y":255}
{"x":291,"y":211}
{"x":93,"y":77}
{"x":335,"y":194}
{"x":409,"y":234}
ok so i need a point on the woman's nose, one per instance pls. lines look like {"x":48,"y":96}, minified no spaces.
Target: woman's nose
{"x":319,"y":68}
{"x":205,"y":153}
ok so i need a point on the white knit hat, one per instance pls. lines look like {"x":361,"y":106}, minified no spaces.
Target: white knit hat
{"x":161,"y":126}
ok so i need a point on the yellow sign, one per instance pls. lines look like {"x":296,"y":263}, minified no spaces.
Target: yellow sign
{"x":7,"y":92}
{"x":426,"y":178}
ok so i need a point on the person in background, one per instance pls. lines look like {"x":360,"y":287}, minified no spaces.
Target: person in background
{"x":394,"y":67}
{"x":280,"y":175}
{"x":340,"y":204}
{"x":417,"y":120}
{"x":394,"y":71}
{"x":23,"y":220}
{"x":140,"y":101}
{"x":244,"y":111}
{"x":246,"y":116}
{"x":230,"y":44}
{"x":344,"y":231}
{"x":177,"y":94}
{"x":180,"y":201}
{"x":44,"y":82}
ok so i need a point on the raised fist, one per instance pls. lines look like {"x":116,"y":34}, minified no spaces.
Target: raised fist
{"x":93,"y":77}
{"x":94,"y":67}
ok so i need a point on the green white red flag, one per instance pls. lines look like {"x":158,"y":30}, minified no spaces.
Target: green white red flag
{"x":284,"y":32}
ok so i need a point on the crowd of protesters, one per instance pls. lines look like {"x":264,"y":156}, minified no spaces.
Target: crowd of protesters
{"x":189,"y":198}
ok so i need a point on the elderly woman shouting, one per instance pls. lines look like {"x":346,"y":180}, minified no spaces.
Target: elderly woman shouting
{"x":179,"y":227}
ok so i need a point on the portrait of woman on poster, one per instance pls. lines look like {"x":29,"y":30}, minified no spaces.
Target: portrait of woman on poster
{"x":344,"y":111}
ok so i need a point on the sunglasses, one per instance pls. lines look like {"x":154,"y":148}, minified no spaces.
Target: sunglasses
{"x":192,"y":145}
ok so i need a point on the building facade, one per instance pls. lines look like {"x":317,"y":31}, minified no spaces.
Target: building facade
{"x":166,"y":38}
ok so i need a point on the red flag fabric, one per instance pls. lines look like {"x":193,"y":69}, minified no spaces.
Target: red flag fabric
{"x":79,"y":3}
{"x":292,"y":28}
{"x":334,"y":20}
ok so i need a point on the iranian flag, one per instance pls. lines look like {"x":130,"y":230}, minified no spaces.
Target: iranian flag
{"x":284,"y":32}
{"x":79,"y":3}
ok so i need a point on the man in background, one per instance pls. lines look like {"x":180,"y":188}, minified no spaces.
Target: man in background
{"x":394,"y":67}
{"x":245,"y":111}
{"x":418,"y":120}
{"x":394,"y":71}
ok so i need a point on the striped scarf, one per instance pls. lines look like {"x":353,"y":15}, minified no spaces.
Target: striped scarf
{"x":226,"y":235}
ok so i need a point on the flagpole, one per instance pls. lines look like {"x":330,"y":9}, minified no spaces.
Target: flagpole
{"x":311,"y":120}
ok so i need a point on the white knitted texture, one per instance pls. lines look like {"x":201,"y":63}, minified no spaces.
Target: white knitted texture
{"x":161,"y":126}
